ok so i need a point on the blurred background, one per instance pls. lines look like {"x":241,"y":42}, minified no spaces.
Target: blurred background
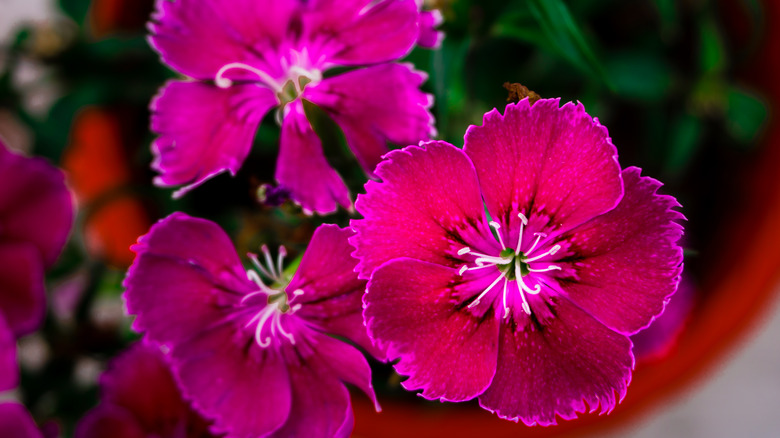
{"x":688,"y":90}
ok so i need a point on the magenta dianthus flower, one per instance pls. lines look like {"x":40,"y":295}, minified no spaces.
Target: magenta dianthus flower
{"x":16,"y":422}
{"x":248,"y":57}
{"x":139,"y":399}
{"x":257,"y":357}
{"x":36,"y":214}
{"x":528,"y":309}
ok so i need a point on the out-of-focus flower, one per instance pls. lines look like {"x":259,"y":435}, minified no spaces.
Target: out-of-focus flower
{"x":36,"y":213}
{"x":658,"y":340}
{"x":530,"y":308}
{"x":428,"y":36}
{"x":139,"y":398}
{"x":99,"y":171}
{"x":16,"y":422}
{"x":258,"y":358}
{"x":251,"y":56}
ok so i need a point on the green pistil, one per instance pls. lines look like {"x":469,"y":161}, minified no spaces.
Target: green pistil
{"x":509,"y":268}
{"x":288,"y":94}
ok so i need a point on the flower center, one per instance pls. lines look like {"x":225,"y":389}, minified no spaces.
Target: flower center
{"x":513,"y":264}
{"x":299,"y":72}
{"x":274,"y":302}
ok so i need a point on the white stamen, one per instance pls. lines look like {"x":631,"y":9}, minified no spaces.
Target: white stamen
{"x":523,"y":223}
{"x":464,"y":250}
{"x":259,"y":266}
{"x":506,"y":308}
{"x":549,"y":268}
{"x":269,"y":262}
{"x":484,"y":292}
{"x":264,"y":289}
{"x":279,"y":258}
{"x":539,"y":237}
{"x":521,"y":283}
{"x":463,"y":269}
{"x":222,"y":82}
{"x":496,"y":226}
{"x":520,"y":287}
{"x":262,"y":316}
{"x":297,"y":292}
{"x":551,"y":251}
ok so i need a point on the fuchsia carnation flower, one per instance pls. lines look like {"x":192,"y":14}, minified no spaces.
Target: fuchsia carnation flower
{"x":140,"y":399}
{"x":528,"y":309}
{"x":257,"y":358}
{"x":36,"y":213}
{"x":249,"y":56}
{"x":16,"y":422}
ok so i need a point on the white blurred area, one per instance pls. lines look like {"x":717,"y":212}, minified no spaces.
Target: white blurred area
{"x":739,"y":398}
{"x":15,"y":13}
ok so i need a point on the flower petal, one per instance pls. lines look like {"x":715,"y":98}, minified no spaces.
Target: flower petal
{"x":9,"y":367}
{"x":35,"y":205}
{"x":427,"y":207}
{"x":333,"y":294}
{"x":302,"y":168}
{"x":109,"y":420}
{"x":183,"y":297}
{"x":22,"y":297}
{"x":557,"y":366}
{"x":16,"y":422}
{"x":204,"y":130}
{"x":358,"y":32}
{"x":198,"y":38}
{"x":556,"y":165}
{"x":626,"y":263}
{"x":447,"y":352}
{"x":375,"y":105}
{"x":321,"y":404}
{"x":428,"y":36}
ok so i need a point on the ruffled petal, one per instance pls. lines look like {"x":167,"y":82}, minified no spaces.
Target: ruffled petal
{"x":185,"y":299}
{"x":16,"y":422}
{"x":428,"y":36}
{"x":204,"y":130}
{"x":22,"y":297}
{"x":9,"y":367}
{"x":427,"y":207}
{"x":35,"y":205}
{"x":555,"y":165}
{"x":109,"y":421}
{"x":410,"y":311}
{"x":333,"y":294}
{"x":321,"y":404}
{"x":563,"y":365}
{"x":139,"y":380}
{"x":198,"y":38}
{"x":358,"y":32}
{"x":625,"y":264}
{"x":302,"y":168}
{"x":375,"y":105}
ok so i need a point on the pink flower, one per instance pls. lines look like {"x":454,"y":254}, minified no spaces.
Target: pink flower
{"x":140,"y":399}
{"x":256,"y":357}
{"x":248,"y":57}
{"x":36,"y":214}
{"x":16,"y":422}
{"x":530,"y":308}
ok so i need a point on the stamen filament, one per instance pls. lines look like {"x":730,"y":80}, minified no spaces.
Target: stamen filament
{"x":520,"y":281}
{"x":269,"y":262}
{"x":279,"y":258}
{"x":484,"y":292}
{"x":539,"y":237}
{"x":222,"y":82}
{"x":549,"y":268}
{"x":520,"y":287}
{"x":551,"y":251}
{"x":496,"y":226}
{"x":523,"y":223}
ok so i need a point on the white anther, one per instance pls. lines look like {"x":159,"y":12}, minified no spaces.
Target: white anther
{"x":464,"y":250}
{"x":523,"y":218}
{"x":549,"y":268}
{"x":551,"y":251}
{"x":462,"y":270}
{"x":539,"y":237}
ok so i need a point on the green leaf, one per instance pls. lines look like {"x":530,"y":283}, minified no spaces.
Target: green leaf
{"x":684,"y":143}
{"x":558,"y":25}
{"x":746,"y":115}
{"x":640,"y":76}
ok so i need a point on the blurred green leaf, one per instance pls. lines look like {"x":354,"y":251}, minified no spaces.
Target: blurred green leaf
{"x":713,"y":54}
{"x":558,"y":25}
{"x":640,"y":75}
{"x":746,"y":114}
{"x":667,"y":12}
{"x":686,"y":133}
{"x":76,"y":9}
